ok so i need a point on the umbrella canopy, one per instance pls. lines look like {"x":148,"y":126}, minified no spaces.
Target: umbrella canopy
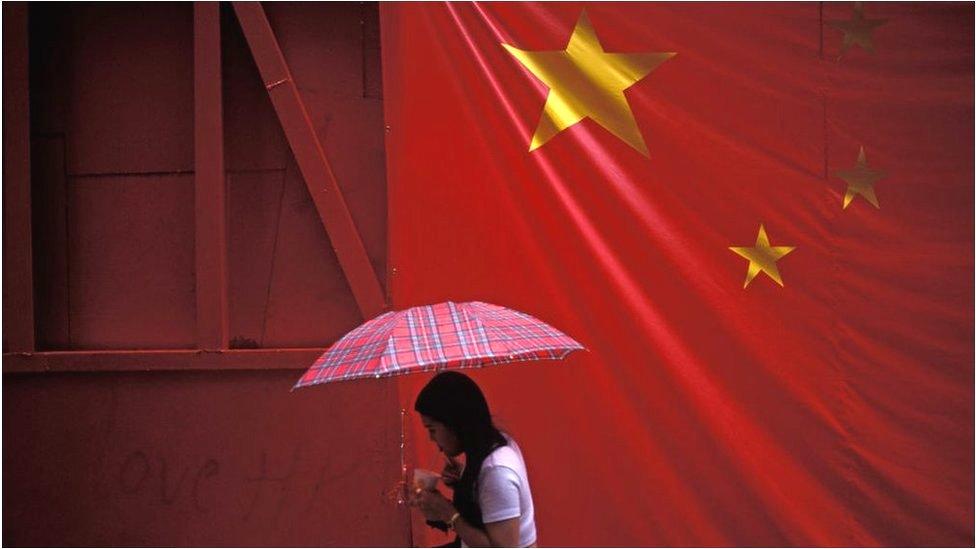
{"x":438,"y":337}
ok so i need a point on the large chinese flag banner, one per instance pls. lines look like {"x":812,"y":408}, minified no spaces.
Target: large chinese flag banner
{"x":759,"y":221}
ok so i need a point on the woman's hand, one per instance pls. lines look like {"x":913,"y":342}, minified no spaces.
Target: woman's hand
{"x":451,"y":473}
{"x":433,"y":505}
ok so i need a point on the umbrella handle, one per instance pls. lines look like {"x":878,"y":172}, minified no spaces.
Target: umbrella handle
{"x":403,"y":463}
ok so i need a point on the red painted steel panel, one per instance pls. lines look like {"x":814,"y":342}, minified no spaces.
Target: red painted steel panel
{"x":372,"y":60}
{"x":253,"y":139}
{"x":50,"y":239}
{"x":129,"y":86}
{"x":309,"y":301}
{"x":90,"y":96}
{"x":49,"y":49}
{"x":254,"y":201}
{"x":131,"y":258}
{"x":348,"y":123}
{"x":311,"y":159}
{"x":287,"y":285}
{"x":48,"y":53}
{"x":207,"y":458}
{"x":340,"y":93}
{"x":209,"y":180}
{"x":18,"y":280}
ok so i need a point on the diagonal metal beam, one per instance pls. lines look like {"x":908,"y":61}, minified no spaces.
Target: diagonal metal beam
{"x":18,"y":282}
{"x":209,"y":186}
{"x":311,"y":158}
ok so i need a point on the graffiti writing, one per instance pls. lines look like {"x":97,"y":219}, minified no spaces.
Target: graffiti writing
{"x":136,"y":473}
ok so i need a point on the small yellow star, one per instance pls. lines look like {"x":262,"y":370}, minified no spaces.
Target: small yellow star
{"x":586,"y":82}
{"x":858,"y":30}
{"x":763,"y":257}
{"x":860,"y":180}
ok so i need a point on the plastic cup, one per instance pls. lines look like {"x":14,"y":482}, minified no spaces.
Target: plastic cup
{"x":424,"y":479}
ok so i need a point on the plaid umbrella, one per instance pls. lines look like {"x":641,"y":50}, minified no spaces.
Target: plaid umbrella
{"x":437,"y":337}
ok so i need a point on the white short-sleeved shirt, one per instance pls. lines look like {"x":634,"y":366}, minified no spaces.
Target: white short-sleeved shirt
{"x":503,"y":491}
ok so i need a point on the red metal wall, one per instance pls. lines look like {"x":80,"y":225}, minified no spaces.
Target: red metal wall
{"x":201,"y":458}
{"x":219,"y":452}
{"x":112,"y":156}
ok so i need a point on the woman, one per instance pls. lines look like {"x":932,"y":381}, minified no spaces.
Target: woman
{"x":492,"y":505}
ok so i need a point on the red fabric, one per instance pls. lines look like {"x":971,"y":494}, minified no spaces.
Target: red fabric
{"x":834,"y":410}
{"x":438,"y":337}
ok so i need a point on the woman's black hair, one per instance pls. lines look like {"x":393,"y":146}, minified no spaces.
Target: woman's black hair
{"x":455,"y":400}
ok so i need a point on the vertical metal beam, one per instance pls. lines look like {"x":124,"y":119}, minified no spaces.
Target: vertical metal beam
{"x":18,"y":282}
{"x":311,"y":158}
{"x":211,"y":216}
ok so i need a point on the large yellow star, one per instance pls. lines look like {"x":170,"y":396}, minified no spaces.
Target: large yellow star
{"x":763,"y":257}
{"x":586,"y":82}
{"x":858,"y":30}
{"x":860,"y":180}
